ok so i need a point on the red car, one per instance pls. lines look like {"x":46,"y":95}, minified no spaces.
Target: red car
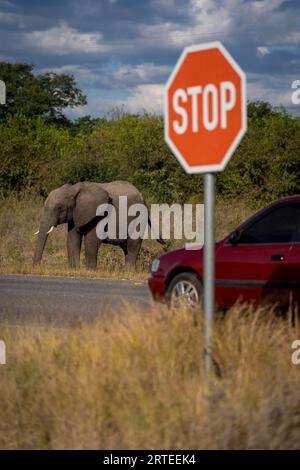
{"x":259,"y":261}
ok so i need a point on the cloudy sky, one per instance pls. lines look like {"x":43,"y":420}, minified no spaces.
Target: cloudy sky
{"x":122,"y":51}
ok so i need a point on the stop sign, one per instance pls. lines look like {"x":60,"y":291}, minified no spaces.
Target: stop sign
{"x":205,"y":108}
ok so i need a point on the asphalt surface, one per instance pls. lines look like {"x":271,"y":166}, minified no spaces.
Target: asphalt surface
{"x":63,"y":298}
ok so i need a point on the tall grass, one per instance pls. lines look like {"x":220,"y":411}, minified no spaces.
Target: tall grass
{"x":135,"y":380}
{"x":19,"y":219}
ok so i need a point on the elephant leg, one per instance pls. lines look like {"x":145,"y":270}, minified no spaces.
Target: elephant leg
{"x":74,"y":239}
{"x":91,"y":247}
{"x":131,"y":251}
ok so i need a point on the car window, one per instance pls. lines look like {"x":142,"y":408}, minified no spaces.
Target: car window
{"x":297,"y":235}
{"x":277,"y":226}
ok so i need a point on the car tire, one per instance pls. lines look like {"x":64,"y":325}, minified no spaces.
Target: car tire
{"x":185,"y":289}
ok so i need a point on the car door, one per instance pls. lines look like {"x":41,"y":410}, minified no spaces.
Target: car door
{"x":256,"y":268}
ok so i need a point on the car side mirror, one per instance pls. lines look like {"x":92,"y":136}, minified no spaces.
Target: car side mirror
{"x":234,"y":237}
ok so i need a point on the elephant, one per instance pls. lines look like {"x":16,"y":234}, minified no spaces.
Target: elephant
{"x":76,"y":205}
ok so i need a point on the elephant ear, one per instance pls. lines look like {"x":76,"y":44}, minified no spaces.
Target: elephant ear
{"x":88,"y":198}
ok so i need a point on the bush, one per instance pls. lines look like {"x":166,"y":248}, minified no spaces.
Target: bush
{"x":38,"y":156}
{"x":266,"y":165}
{"x":32,"y":154}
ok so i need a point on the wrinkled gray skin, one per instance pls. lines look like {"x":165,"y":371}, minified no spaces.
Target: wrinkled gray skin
{"x":76,"y":205}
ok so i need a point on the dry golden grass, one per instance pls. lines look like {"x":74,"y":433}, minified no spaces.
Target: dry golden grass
{"x":18,"y":222}
{"x":135,"y":380}
{"x":20,"y":219}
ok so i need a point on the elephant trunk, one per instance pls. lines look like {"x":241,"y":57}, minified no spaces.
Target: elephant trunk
{"x":44,"y":230}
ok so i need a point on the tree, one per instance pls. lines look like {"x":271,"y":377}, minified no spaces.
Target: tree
{"x":40,"y":95}
{"x":259,"y":109}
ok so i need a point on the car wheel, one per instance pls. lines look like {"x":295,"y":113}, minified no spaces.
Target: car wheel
{"x":184,"y":290}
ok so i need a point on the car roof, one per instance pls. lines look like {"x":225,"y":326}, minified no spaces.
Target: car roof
{"x":294,"y":197}
{"x":287,"y":198}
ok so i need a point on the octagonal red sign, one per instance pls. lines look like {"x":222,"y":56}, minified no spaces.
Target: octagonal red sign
{"x":205,"y":108}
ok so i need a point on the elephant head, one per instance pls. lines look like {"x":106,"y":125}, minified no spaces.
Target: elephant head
{"x":74,"y":204}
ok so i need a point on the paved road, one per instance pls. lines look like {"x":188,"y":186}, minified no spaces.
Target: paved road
{"x":66,"y":298}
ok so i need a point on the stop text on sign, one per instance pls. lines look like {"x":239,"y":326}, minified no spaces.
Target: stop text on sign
{"x":207,"y":106}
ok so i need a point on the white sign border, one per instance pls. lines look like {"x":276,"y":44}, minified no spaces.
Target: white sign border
{"x":207,"y":168}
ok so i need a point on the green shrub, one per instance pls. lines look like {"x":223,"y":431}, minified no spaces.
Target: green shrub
{"x":32,"y":154}
{"x":37,"y":156}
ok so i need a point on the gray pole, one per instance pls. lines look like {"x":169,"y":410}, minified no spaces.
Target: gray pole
{"x":209,"y":264}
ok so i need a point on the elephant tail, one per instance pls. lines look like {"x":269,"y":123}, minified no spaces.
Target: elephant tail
{"x":159,"y":240}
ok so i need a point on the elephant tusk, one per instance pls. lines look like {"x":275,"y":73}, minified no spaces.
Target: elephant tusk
{"x":49,"y":231}
{"x":36,"y":233}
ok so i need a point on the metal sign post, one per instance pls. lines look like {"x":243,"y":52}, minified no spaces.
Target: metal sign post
{"x":209,"y":265}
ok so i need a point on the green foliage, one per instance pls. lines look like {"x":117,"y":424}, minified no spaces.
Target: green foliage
{"x":130,"y":147}
{"x":32,"y":155}
{"x":266,"y":164}
{"x":37,"y":156}
{"x":38,"y":95}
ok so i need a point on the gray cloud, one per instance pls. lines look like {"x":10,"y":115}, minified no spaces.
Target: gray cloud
{"x":125,"y":49}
